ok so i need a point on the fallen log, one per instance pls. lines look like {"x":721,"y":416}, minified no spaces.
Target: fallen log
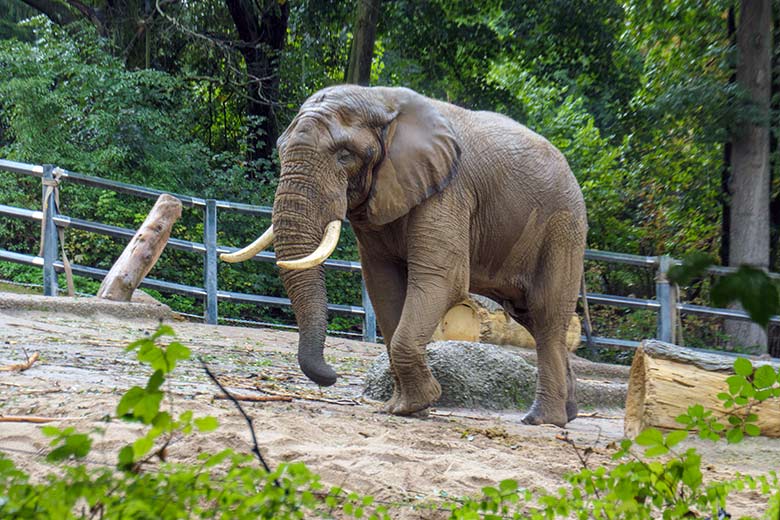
{"x":142,"y":252}
{"x":481,"y":320}
{"x":665,"y":380}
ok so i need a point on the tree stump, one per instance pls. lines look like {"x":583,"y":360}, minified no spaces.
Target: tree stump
{"x":666,"y":379}
{"x":481,"y":320}
{"x":142,"y":252}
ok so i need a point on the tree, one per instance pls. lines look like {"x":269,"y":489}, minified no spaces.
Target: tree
{"x":126,"y":23}
{"x":262,"y":29}
{"x":749,"y":185}
{"x":362,"y":51}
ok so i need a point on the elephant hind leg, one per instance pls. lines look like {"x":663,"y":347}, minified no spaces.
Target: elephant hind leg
{"x":555,"y":291}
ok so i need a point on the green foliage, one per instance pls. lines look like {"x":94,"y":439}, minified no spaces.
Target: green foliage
{"x":68,"y":102}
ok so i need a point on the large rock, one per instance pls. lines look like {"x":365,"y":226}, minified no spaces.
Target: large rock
{"x":478,"y":375}
{"x":471,"y":375}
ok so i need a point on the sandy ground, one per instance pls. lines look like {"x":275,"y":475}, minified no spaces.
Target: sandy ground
{"x":408,"y":462}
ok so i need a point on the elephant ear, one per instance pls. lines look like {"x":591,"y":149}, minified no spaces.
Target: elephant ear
{"x":421,"y":156}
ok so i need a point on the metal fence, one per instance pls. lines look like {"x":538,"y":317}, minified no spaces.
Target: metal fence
{"x":666,"y":302}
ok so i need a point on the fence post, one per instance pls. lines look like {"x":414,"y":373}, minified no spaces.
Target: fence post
{"x":369,"y":318}
{"x":667,"y":298}
{"x":49,"y":234}
{"x":210,"y":261}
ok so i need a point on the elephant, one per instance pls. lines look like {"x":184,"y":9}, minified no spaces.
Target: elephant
{"x":443,"y":201}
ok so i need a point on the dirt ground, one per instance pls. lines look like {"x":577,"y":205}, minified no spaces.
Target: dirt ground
{"x":408,"y":462}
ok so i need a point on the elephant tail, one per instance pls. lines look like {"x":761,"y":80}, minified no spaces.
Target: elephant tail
{"x":586,"y":311}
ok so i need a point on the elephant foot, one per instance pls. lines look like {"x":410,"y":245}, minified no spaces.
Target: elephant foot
{"x":409,"y":400}
{"x":541,"y":414}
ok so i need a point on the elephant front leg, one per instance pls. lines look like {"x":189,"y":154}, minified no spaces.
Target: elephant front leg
{"x":416,"y":388}
{"x":386,"y":284}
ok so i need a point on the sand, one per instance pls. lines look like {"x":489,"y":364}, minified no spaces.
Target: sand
{"x":407,"y":462}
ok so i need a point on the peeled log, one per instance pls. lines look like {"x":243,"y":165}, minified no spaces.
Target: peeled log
{"x":666,"y":379}
{"x":481,"y":320}
{"x":142,"y":252}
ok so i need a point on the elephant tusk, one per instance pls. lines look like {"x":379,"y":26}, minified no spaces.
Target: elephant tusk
{"x":252,"y":249}
{"x":329,"y":240}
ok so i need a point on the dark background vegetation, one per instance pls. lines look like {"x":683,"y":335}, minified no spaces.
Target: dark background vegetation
{"x":189,"y":97}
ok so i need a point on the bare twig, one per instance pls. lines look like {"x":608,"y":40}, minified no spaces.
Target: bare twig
{"x":582,"y":454}
{"x":255,"y":398}
{"x":598,"y":415}
{"x":21,"y":367}
{"x":255,"y":446}
{"x":29,"y":419}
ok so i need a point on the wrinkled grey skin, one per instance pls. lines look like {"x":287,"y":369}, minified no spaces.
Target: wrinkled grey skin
{"x":444,"y":201}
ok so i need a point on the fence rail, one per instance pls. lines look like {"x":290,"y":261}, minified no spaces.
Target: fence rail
{"x":665,"y":304}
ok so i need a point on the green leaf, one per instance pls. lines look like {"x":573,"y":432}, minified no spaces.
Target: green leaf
{"x":125,"y":458}
{"x":176,"y":352}
{"x":684,"y":419}
{"x":674,"y":438}
{"x":764,"y":377}
{"x":75,"y":445}
{"x":156,"y":381}
{"x":508,"y":486}
{"x":154,"y":356}
{"x":753,"y":289}
{"x":50,"y":431}
{"x":649,"y":437}
{"x":752,"y":430}
{"x":148,"y":406}
{"x":734,"y":436}
{"x":142,"y":446}
{"x":163,"y":421}
{"x":129,"y":400}
{"x":655,"y":451}
{"x":693,"y":266}
{"x":206,"y":424}
{"x":163,"y":330}
{"x":743,"y":367}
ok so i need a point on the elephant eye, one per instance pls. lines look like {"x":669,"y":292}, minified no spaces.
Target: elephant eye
{"x":344,"y":156}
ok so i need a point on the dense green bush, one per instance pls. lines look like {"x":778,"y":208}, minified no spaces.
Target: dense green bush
{"x":69,"y":102}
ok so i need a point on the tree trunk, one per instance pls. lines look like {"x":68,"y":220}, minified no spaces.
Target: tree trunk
{"x":725,"y":176}
{"x":666,"y":379}
{"x":481,"y":320}
{"x":362,"y":52}
{"x":749,"y":184}
{"x":142,"y":252}
{"x":262,"y":29}
{"x":773,"y":331}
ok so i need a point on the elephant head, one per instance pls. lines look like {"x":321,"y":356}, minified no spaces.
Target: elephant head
{"x":370,"y":154}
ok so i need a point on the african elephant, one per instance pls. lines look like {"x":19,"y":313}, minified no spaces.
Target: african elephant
{"x":443,"y":201}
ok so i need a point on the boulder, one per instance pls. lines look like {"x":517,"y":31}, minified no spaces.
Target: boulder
{"x":479,"y":375}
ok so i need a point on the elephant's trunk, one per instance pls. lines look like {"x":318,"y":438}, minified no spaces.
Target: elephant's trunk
{"x":298,"y":228}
